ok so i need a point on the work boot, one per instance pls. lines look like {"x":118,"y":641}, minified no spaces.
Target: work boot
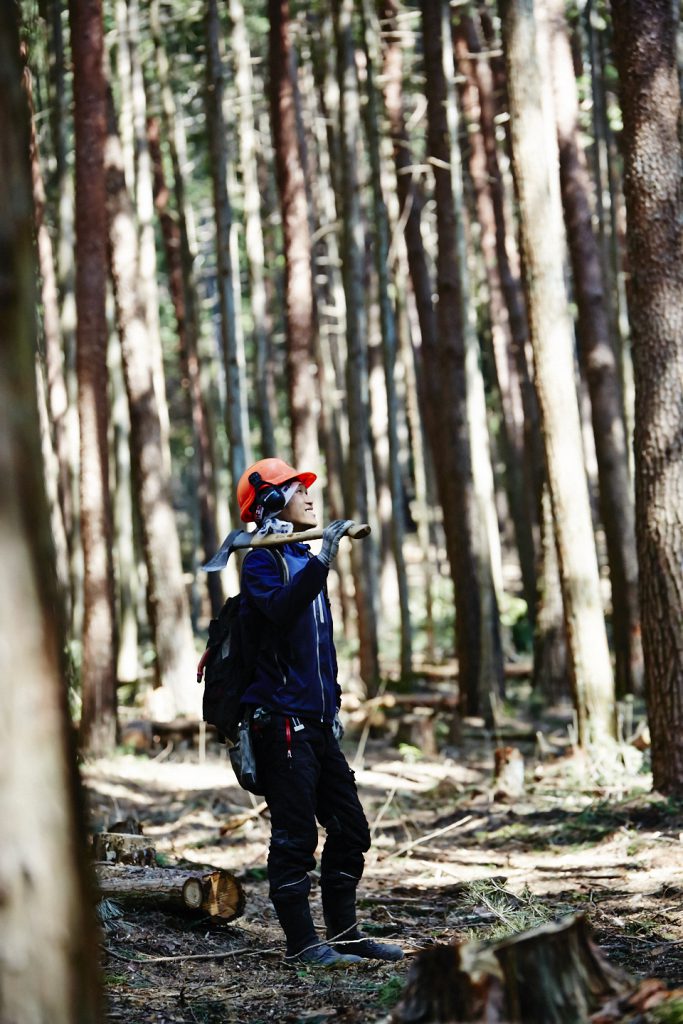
{"x":322,"y":955}
{"x":339,"y":911}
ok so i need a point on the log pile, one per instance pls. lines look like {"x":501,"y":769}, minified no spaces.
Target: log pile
{"x":126,"y":871}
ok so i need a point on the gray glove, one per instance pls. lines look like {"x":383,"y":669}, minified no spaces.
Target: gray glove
{"x":337,"y":728}
{"x":332,"y":534}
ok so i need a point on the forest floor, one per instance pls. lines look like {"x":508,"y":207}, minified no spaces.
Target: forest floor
{"x":582,"y":837}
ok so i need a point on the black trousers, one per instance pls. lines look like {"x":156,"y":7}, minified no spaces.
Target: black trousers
{"x":306,"y":778}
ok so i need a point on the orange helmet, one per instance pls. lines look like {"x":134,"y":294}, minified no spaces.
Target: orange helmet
{"x":271,"y":471}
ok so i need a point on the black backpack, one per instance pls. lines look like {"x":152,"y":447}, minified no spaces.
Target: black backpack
{"x":228,"y":663}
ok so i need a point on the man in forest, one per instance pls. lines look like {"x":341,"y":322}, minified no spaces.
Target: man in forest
{"x":294,"y":700}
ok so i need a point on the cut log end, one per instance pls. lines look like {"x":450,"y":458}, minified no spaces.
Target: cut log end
{"x":216,"y":893}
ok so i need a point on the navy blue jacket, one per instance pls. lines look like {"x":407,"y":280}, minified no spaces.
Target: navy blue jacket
{"x":296,"y":668}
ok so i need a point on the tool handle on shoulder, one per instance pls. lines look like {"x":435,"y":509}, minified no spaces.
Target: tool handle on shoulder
{"x":357,"y":532}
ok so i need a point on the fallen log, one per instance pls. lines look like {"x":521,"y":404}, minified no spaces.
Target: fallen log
{"x":553,"y":974}
{"x":216,"y":893}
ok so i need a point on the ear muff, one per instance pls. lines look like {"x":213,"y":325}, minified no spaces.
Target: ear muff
{"x":270,"y":499}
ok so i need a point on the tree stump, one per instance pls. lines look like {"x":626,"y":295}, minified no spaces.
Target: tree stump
{"x":553,"y":974}
{"x":508,"y":774}
{"x":123,"y":848}
{"x":417,"y":729}
{"x":216,"y":893}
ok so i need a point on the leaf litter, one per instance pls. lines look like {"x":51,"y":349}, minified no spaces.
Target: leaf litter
{"x":448,"y":863}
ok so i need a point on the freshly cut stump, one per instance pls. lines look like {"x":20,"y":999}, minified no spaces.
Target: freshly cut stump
{"x":216,"y":893}
{"x":554,"y":974}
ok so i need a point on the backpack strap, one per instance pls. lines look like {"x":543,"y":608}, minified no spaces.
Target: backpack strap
{"x":278,"y":558}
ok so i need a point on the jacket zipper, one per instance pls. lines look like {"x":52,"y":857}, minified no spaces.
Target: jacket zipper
{"x":317,"y":655}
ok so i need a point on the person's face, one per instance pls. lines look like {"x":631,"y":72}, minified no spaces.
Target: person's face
{"x":299,"y":510}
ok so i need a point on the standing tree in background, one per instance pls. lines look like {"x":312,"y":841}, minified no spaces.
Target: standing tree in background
{"x":235,"y":400}
{"x":98,"y":672}
{"x":389,"y":336}
{"x":48,"y":968}
{"x":167,"y":602}
{"x":597,"y":354}
{"x":535,"y":161}
{"x":353,"y":269}
{"x":299,"y":324}
{"x":444,"y":370}
{"x":645,"y":50}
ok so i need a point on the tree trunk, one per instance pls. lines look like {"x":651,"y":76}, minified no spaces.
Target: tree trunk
{"x":236,"y":417}
{"x":505,"y":305}
{"x":645,"y":49}
{"x":353,"y":249}
{"x":48,"y":968}
{"x":389,"y":342}
{"x":598,"y":362}
{"x":255,"y":253}
{"x":125,"y":562}
{"x":422,"y":321}
{"x":303,"y":398}
{"x":98,"y":674}
{"x":52,"y":400}
{"x":190,"y":368}
{"x":487,"y":536}
{"x":445,"y":383}
{"x":552,"y":974}
{"x":534,"y":150}
{"x":166,"y":597}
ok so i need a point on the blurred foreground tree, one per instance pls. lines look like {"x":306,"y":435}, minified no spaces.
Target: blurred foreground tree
{"x":47,"y":966}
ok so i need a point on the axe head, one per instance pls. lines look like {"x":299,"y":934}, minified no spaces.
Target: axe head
{"x":235,"y":540}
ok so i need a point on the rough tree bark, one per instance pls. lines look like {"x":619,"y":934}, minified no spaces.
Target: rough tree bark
{"x":48,"y":968}
{"x":534,"y":150}
{"x":98,"y":675}
{"x":299,"y":323}
{"x":645,"y":50}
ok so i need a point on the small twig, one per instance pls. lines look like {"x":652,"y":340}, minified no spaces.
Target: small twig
{"x":192,"y":956}
{"x":383,"y":809}
{"x":360,"y":749}
{"x":425,"y":839}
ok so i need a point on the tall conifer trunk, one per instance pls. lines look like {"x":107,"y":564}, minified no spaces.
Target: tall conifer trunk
{"x":166,"y":597}
{"x":236,"y":416}
{"x":389,"y":340}
{"x":645,"y":49}
{"x":303,"y":400}
{"x":446,"y":387}
{"x":599,"y":363}
{"x":534,"y":150}
{"x":98,"y":677}
{"x":353,"y":249}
